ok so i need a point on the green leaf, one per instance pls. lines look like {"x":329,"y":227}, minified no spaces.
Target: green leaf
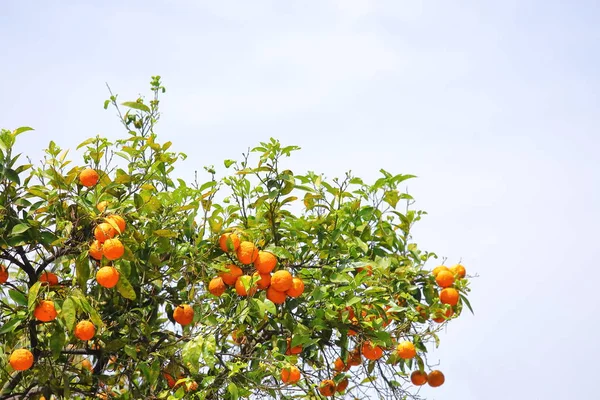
{"x":229,"y":163}
{"x":19,"y":228}
{"x":125,"y":288}
{"x":33,"y":293}
{"x":69,"y":313}
{"x":191,"y":353}
{"x":86,"y":142}
{"x":57,"y":341}
{"x":12,"y":175}
{"x":22,"y":129}
{"x":467,"y":303}
{"x":82,"y":268}
{"x":18,"y":297}
{"x":270,"y":307}
{"x":165,"y":233}
{"x":233,"y":391}
{"x":131,"y":351}
{"x":10,"y":325}
{"x":106,"y":103}
{"x":136,"y":105}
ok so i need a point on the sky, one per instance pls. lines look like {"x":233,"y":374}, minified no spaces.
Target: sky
{"x":494,"y":105}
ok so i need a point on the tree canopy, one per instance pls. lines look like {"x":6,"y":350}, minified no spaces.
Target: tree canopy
{"x":120,"y":280}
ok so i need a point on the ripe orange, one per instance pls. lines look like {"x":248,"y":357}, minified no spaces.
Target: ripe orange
{"x":418,"y":378}
{"x":102,"y":206}
{"x":340,"y":366}
{"x":327,"y":388}
{"x":354,"y":358}
{"x":87,"y":365}
{"x":48,"y":278}
{"x":371,"y":352}
{"x":290,"y":375}
{"x":107,"y":277}
{"x":292,"y":350}
{"x":85,"y":330}
{"x":104,"y":231}
{"x":297,"y":287}
{"x":216,"y":286}
{"x":241,"y":289}
{"x":264,"y":280}
{"x":436,"y":378}
{"x":113,"y":249}
{"x":21,"y":359}
{"x":342,"y":385}
{"x":281,"y":281}
{"x":265,"y":262}
{"x":96,"y":250}
{"x":183,"y":314}
{"x":444,"y":279}
{"x":406,"y":350}
{"x":449,"y":296}
{"x":229,"y":242}
{"x":117,"y":222}
{"x":45,"y":311}
{"x":459,"y":271}
{"x":439,"y":269}
{"x":247,"y":252}
{"x":439,"y":315}
{"x":3,"y":274}
{"x":275,"y":296}
{"x":368,"y":268}
{"x":231,"y":276}
{"x":88,"y":177}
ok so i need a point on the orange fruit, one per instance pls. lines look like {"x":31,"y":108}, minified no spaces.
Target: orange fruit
{"x":292,"y":350}
{"x":87,"y":365}
{"x":367,"y":268}
{"x":264,"y":280}
{"x":3,"y":274}
{"x":406,"y":350}
{"x":45,"y":311}
{"x":85,"y":330}
{"x":170,"y":380}
{"x":102,"y":206}
{"x":327,"y":388}
{"x":449,"y":296}
{"x":444,"y":279}
{"x":275,"y":296}
{"x":96,"y":250}
{"x":88,"y":177}
{"x":241,"y":289}
{"x":229,"y":242}
{"x":439,"y":315}
{"x":113,"y":249}
{"x":21,"y":359}
{"x":297,"y":287}
{"x":350,"y":310}
{"x":231,"y":276}
{"x":48,"y":278}
{"x":371,"y":352}
{"x":435,"y":378}
{"x":439,"y":269}
{"x":265,"y":262}
{"x":104,"y":231}
{"x":340,"y":366}
{"x":459,"y":271}
{"x":418,"y":378}
{"x":354,"y":358}
{"x":342,"y":385}
{"x":281,"y":281}
{"x":183,"y":314}
{"x":107,"y":277}
{"x":216,"y":286}
{"x":117,"y":222}
{"x":290,"y":375}
{"x":247,"y":252}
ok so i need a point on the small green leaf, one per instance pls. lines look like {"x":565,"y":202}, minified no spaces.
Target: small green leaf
{"x":69,"y":313}
{"x":12,"y":175}
{"x":19,"y":228}
{"x":10,"y":325}
{"x":57,"y":341}
{"x":18,"y":297}
{"x":136,"y":105}
{"x":233,"y":391}
{"x":467,"y":303}
{"x":229,"y":163}
{"x":125,"y":288}
{"x":33,"y":293}
{"x":22,"y":129}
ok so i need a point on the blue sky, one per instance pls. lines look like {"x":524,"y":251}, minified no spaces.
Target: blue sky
{"x":494,"y":105}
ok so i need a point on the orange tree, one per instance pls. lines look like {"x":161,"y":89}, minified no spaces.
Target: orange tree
{"x":119,"y":280}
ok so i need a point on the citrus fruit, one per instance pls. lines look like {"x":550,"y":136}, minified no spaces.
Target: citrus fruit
{"x":216,"y":286}
{"x":264,"y":280}
{"x":104,"y":231}
{"x":229,"y":242}
{"x":459,"y":271}
{"x":439,"y":315}
{"x":85,"y":330}
{"x":435,"y":378}
{"x":406,"y":350}
{"x":342,"y":385}
{"x":327,"y":388}
{"x":297,"y":287}
{"x":88,"y":177}
{"x":48,"y":278}
{"x":247,"y":252}
{"x":96,"y":250}
{"x":281,"y":281}
{"x":21,"y":359}
{"x":107,"y":277}
{"x":243,"y":282}
{"x":45,"y":311}
{"x":265,"y":262}
{"x":371,"y":352}
{"x":340,"y":366}
{"x":183,"y":314}
{"x":292,"y":350}
{"x":117,"y":222}
{"x":290,"y":375}
{"x":367,"y":268}
{"x":444,"y":279}
{"x":102,"y":206}
{"x":87,"y":365}
{"x":449,"y":296}
{"x":230,"y":276}
{"x":3,"y":274}
{"x":418,"y":378}
{"x":113,"y":249}
{"x":275,"y":296}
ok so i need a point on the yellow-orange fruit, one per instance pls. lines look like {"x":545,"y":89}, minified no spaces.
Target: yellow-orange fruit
{"x":183,"y":314}
{"x":45,"y":311}
{"x":241,"y":289}
{"x":371,"y":352}
{"x":102,"y":206}
{"x":229,"y":242}
{"x":230,"y":276}
{"x":444,"y":279}
{"x":449,"y":296}
{"x":281,"y":281}
{"x":107,"y":277}
{"x":21,"y":359}
{"x":264,"y":280}
{"x":439,"y":269}
{"x":48,"y":278}
{"x":117,"y":222}
{"x":96,"y":250}
{"x":418,"y":378}
{"x":3,"y":274}
{"x":88,"y":177}
{"x":406,"y":350}
{"x":459,"y":271}
{"x":113,"y":249}
{"x":292,"y":350}
{"x":435,"y":378}
{"x":216,"y":286}
{"x":265,"y":262}
{"x":247,"y":253}
{"x":327,"y":388}
{"x":104,"y":231}
{"x":85,"y":330}
{"x":290,"y":375}
{"x":340,"y":366}
{"x":87,"y":365}
{"x":275,"y":296}
{"x":297,"y":287}
{"x":342,"y":385}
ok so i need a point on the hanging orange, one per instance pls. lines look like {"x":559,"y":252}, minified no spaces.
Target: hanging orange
{"x":281,"y":281}
{"x":45,"y":311}
{"x":229,"y":242}
{"x":216,"y":286}
{"x":276,"y":296}
{"x":297,"y":287}
{"x":88,"y":177}
{"x":230,"y":276}
{"x":85,"y":330}
{"x":327,"y":388}
{"x":3,"y":274}
{"x":183,"y":314}
{"x":265,"y":262}
{"x":95,"y":250}
{"x":21,"y":359}
{"x":117,"y":222}
{"x":290,"y":375}
{"x":107,"y":277}
{"x":104,"y":231}
{"x":371,"y":352}
{"x":113,"y":249}
{"x":247,"y":252}
{"x":418,"y":378}
{"x":48,"y":278}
